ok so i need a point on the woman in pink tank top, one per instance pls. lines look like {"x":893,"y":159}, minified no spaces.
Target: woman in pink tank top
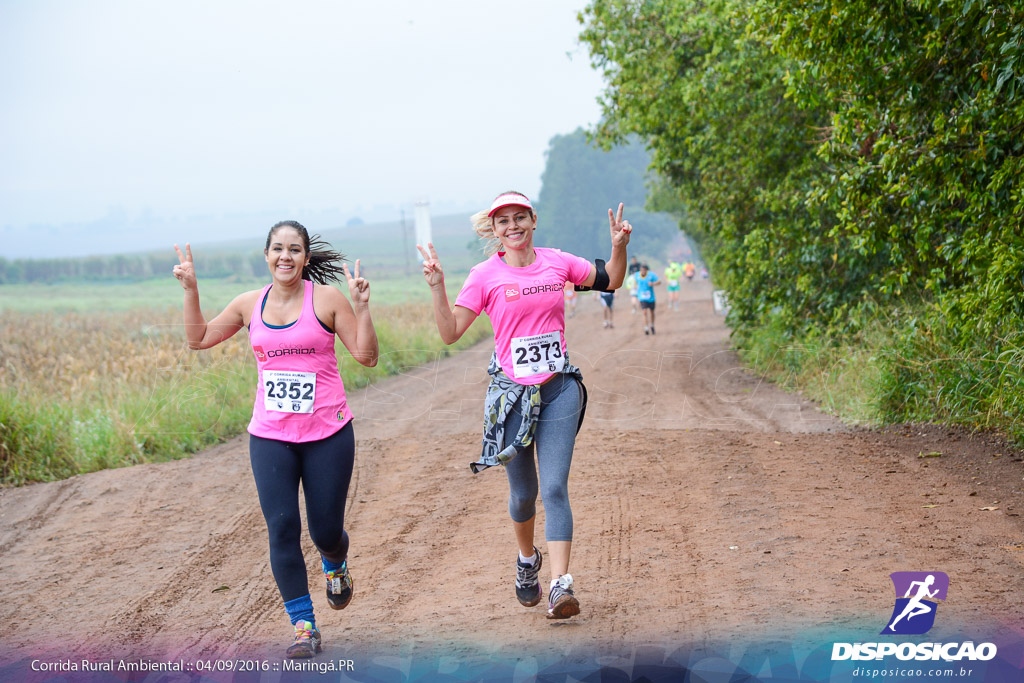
{"x":301,"y":427}
{"x":536,"y":399}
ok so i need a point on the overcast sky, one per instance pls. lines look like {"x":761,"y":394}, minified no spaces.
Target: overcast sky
{"x":139,"y":110}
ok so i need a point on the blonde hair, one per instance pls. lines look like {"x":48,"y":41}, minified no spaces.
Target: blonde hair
{"x":484,"y":228}
{"x":483,"y":225}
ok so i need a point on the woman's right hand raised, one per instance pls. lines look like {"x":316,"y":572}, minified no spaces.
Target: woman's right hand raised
{"x":431,"y":266}
{"x":185,"y":271}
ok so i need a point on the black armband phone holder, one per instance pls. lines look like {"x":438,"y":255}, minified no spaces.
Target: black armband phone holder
{"x":600,"y":279}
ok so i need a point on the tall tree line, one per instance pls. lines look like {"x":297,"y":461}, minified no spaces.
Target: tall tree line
{"x":851,"y":167}
{"x":582,"y":181}
{"x":125,"y":267}
{"x":838,"y":156}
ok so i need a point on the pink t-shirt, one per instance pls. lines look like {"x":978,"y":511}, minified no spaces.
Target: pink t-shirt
{"x":527,"y":310}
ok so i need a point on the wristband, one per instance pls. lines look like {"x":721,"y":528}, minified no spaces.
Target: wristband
{"x":601,"y":279}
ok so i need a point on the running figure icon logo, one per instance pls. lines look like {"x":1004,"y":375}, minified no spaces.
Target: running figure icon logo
{"x":914,"y":613}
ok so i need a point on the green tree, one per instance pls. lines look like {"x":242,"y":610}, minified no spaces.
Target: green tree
{"x":709,"y":98}
{"x":925,"y":142}
{"x":842,"y":159}
{"x":581,"y":182}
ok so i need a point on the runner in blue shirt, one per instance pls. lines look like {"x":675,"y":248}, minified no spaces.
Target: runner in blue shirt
{"x":645,"y":281}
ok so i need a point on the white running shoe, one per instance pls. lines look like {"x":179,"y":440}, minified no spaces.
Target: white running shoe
{"x":562,"y":602}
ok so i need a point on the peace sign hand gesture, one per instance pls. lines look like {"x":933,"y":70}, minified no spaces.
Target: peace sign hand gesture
{"x":432,"y":271}
{"x":620,"y":229}
{"x":185,"y":270}
{"x":358,"y":287}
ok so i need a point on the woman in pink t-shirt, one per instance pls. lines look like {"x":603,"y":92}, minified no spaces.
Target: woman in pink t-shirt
{"x":536,"y":398}
{"x":301,"y":427}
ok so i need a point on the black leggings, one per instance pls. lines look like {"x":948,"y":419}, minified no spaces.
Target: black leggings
{"x":325,"y":468}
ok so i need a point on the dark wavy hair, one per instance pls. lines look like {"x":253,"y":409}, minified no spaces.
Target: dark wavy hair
{"x":324,"y":263}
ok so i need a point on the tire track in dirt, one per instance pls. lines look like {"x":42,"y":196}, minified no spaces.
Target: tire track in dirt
{"x":174,"y":598}
{"x":613,"y":536}
{"x":15,"y":528}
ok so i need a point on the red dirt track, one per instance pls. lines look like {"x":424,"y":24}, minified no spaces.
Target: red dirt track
{"x":708,"y":504}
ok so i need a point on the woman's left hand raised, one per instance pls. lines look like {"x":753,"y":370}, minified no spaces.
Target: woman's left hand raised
{"x":358,"y":287}
{"x":620,"y":229}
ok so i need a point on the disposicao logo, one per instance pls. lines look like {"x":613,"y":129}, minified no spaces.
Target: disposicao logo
{"x":511,"y":292}
{"x":914,"y":614}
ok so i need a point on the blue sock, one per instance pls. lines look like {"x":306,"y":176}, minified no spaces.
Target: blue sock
{"x":300,"y":608}
{"x":330,"y":566}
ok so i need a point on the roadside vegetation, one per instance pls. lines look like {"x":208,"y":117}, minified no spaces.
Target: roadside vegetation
{"x":85,"y":390}
{"x":855,"y":178}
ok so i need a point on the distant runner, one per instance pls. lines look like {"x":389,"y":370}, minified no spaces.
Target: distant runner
{"x":634,"y":265}
{"x":645,"y":281}
{"x":569,"y":290}
{"x":673,"y":273}
{"x":634,"y":268}
{"x":607,"y":301}
{"x":634,"y":303}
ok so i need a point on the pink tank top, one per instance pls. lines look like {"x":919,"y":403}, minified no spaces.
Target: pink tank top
{"x":300,"y":396}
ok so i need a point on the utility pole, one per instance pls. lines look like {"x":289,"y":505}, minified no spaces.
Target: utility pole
{"x":423,"y":231}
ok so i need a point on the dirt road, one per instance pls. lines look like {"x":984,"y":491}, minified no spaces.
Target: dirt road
{"x":709,"y":506}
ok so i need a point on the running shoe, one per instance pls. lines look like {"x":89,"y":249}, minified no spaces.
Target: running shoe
{"x":562,"y":603}
{"x":307,"y":641}
{"x":647,"y":330}
{"x":527,"y":585}
{"x":339,"y":587}
{"x":652,"y":329}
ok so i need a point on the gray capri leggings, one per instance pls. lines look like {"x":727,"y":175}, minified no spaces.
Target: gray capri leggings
{"x":553,"y":440}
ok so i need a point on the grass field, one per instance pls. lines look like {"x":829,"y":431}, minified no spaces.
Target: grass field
{"x":165,"y":292}
{"x":98,"y":376}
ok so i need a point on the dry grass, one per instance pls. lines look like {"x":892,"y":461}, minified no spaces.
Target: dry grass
{"x":83,"y":392}
{"x":92,"y":358}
